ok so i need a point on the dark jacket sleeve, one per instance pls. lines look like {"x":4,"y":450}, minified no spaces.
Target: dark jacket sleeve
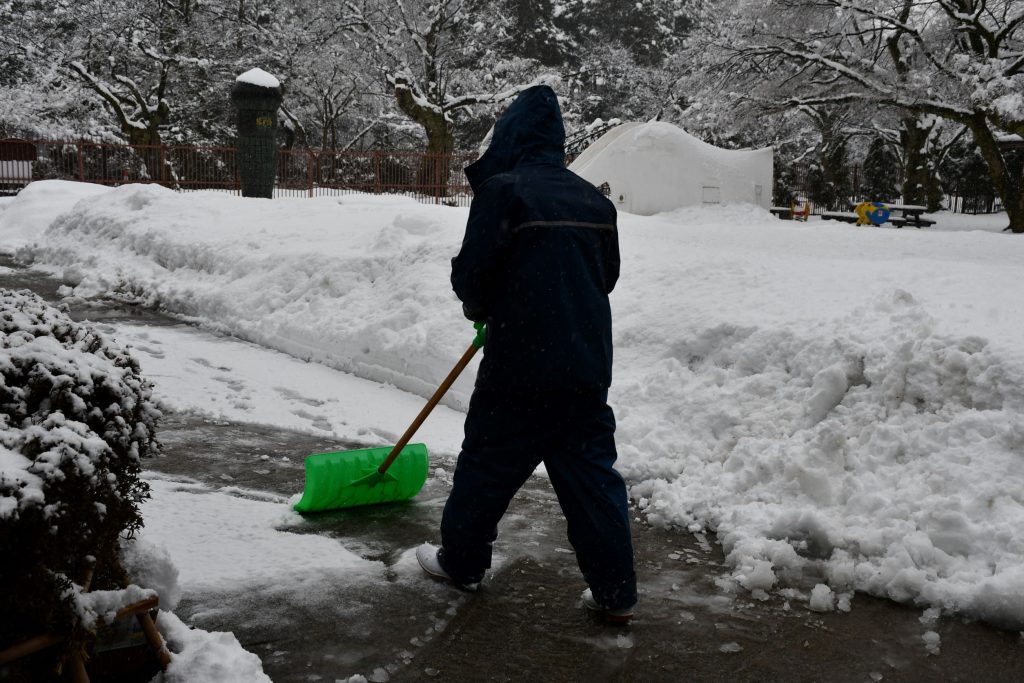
{"x":476,"y":268}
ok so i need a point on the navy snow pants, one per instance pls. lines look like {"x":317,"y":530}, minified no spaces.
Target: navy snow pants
{"x":573,"y":434}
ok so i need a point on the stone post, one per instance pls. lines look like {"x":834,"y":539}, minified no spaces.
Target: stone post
{"x":257,"y":96}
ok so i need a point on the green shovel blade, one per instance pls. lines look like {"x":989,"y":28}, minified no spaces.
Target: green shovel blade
{"x":346,"y":479}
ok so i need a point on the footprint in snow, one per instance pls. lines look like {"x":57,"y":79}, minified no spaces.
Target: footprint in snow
{"x":154,"y":353}
{"x":232,"y":383}
{"x":318,"y":421}
{"x":207,"y":364}
{"x":296,"y":396}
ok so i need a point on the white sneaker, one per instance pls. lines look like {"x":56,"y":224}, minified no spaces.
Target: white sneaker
{"x":426,"y":555}
{"x":615,"y":616}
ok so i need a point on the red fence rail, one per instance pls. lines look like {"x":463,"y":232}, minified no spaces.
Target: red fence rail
{"x":435,"y":178}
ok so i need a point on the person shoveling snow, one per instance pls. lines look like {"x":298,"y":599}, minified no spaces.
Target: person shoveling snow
{"x":539,"y":258}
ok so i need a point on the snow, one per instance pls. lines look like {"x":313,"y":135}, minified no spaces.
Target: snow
{"x":950,"y":222}
{"x":250,"y":545}
{"x":150,"y":565}
{"x":833,"y":401}
{"x":15,"y":468}
{"x":932,"y":641}
{"x":95,"y":606}
{"x":822,"y":599}
{"x":228,"y":379}
{"x":259,"y":77}
{"x":1010,"y":106}
{"x":26,"y":216}
{"x":199,"y":655}
{"x":347,"y":286}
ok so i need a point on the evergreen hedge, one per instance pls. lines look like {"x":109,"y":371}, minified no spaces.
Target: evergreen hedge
{"x":76,"y":418}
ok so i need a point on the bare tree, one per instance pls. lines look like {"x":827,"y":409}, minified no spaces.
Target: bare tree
{"x":961,"y":60}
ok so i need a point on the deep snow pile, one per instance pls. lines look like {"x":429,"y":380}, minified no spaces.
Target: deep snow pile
{"x":896,"y":458}
{"x":344,"y":282}
{"x":22,"y":219}
{"x":835,"y":401}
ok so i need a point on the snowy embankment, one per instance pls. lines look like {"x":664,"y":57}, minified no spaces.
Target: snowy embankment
{"x":834,"y":401}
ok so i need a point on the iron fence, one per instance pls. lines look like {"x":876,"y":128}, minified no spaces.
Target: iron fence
{"x":435,"y":178}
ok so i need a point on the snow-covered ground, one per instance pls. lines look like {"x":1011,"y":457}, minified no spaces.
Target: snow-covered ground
{"x":234,"y":380}
{"x":834,"y":401}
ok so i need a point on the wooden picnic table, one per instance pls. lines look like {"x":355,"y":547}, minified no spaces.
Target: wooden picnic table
{"x":912,"y":215}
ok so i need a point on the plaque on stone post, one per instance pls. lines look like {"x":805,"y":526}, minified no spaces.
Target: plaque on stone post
{"x":257,"y":96}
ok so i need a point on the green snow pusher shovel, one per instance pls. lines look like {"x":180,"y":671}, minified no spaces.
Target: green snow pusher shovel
{"x":368,"y":476}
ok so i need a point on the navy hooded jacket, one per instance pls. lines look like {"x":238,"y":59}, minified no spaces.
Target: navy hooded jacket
{"x":540,"y":256}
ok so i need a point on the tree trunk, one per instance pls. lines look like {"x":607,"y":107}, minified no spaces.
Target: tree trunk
{"x":920,"y":183}
{"x":835,"y":171}
{"x":1017,"y":215}
{"x":432,"y":174}
{"x":915,"y":162}
{"x":239,"y":40}
{"x":147,"y":143}
{"x":1010,"y":189}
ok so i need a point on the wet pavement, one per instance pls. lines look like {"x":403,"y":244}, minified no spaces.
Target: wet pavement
{"x":526,"y":623}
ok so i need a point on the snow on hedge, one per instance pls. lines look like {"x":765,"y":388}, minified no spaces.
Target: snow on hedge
{"x":75,"y":421}
{"x":830,"y":399}
{"x":73,"y":406}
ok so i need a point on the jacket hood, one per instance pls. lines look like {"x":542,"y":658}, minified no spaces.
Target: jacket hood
{"x":530,"y":131}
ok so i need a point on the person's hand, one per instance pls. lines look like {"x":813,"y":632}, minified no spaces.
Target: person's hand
{"x":481,"y":334}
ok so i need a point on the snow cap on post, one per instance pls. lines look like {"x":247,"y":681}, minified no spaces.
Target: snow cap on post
{"x":258,"y":77}
{"x":256,"y":89}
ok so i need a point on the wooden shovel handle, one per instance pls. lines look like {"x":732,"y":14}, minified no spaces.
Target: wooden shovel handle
{"x":441,"y":390}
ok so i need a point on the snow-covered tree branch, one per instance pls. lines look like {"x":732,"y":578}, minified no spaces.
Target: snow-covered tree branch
{"x":955,"y":59}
